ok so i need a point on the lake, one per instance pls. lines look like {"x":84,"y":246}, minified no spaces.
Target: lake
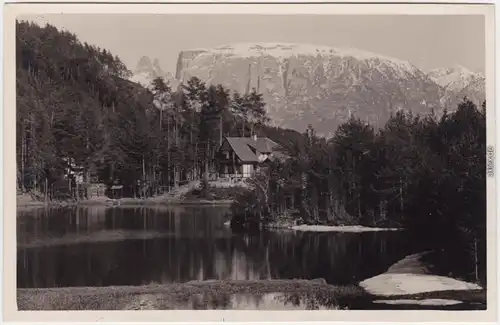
{"x":107,"y":246}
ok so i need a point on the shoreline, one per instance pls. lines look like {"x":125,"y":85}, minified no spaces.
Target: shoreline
{"x":325,"y":228}
{"x":125,"y":202}
{"x":291,"y":226}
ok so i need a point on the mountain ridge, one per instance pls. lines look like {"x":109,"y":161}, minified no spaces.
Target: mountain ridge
{"x":321,"y":85}
{"x":457,"y":82}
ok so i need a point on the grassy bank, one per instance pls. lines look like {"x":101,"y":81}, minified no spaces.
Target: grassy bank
{"x":178,"y":296}
{"x":219,"y":193}
{"x":122,"y":202}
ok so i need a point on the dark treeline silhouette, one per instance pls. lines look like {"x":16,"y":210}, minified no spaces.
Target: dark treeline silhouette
{"x":77,"y":112}
{"x":426,"y":175}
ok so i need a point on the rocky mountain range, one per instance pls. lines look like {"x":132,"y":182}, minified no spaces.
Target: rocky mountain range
{"x":459,"y":82}
{"x":322,"y":86}
{"x":146,"y":71}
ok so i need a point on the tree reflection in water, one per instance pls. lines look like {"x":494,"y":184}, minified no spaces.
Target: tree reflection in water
{"x":102,"y":246}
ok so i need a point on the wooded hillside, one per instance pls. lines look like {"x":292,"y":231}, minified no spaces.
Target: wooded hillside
{"x":76,"y":107}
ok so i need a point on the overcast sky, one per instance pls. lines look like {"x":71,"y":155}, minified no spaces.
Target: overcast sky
{"x":427,"y":41}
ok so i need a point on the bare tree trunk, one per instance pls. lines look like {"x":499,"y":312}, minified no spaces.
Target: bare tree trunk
{"x":168,"y":154}
{"x":195,"y":158}
{"x":32,"y":136}
{"x":220,"y":130}
{"x":143,"y":176}
{"x":69,"y":176}
{"x":46,"y":190}
{"x":191,"y":129}
{"x":77,"y":189}
{"x":359,"y":206}
{"x":161,"y":137}
{"x":176,"y":165}
{"x":154,"y":188}
{"x":476,"y":260}
{"x":176,"y":132}
{"x":23,"y":154}
{"x":86,"y":173}
{"x":205,"y":176}
{"x":112,"y":171}
{"x":161,"y":119}
{"x":401,"y":203}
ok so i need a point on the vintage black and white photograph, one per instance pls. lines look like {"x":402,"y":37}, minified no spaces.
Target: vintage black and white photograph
{"x":251,"y":161}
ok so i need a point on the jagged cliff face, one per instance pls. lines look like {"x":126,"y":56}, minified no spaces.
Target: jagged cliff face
{"x":146,"y":71}
{"x":458,"y":82}
{"x":316,"y":85}
{"x":322,"y":86}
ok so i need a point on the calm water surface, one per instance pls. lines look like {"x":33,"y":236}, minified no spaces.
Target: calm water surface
{"x":103,"y":246}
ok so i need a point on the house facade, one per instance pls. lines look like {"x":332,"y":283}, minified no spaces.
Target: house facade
{"x":239,"y":157}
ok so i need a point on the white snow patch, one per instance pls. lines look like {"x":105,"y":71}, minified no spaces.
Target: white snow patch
{"x":389,"y":284}
{"x":320,"y":228}
{"x":288,"y":50}
{"x":422,"y":302}
{"x":454,"y":78}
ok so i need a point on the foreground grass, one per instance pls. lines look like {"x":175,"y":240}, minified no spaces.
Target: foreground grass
{"x":177,"y":296}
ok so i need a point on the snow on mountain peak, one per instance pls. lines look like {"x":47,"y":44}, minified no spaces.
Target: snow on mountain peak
{"x":287,"y":50}
{"x":455,"y":77}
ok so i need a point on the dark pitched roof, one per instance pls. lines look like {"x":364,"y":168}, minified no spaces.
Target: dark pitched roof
{"x":263,"y":145}
{"x":243,"y":147}
{"x":242,"y":150}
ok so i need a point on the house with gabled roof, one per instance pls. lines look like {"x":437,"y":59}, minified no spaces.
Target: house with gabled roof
{"x":239,"y":157}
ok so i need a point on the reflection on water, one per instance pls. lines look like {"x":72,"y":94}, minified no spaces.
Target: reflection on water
{"x":284,"y":301}
{"x":268,"y":301}
{"x":102,"y":246}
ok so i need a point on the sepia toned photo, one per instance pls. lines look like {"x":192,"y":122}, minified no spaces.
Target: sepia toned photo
{"x":252,"y":161}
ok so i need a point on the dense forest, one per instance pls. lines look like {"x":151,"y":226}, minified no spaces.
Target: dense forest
{"x":77,"y":110}
{"x":426,"y":175}
{"x":77,"y":113}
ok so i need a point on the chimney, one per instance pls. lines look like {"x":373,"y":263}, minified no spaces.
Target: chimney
{"x":254,"y":137}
